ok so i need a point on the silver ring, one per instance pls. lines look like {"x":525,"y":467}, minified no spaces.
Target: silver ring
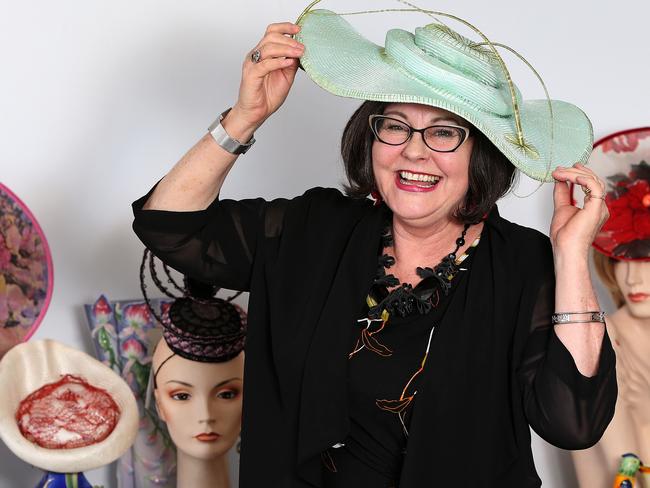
{"x":586,"y":190}
{"x":599,"y":197}
{"x":256,"y":56}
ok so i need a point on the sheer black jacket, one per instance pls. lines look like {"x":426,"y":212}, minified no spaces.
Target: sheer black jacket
{"x":495,"y":365}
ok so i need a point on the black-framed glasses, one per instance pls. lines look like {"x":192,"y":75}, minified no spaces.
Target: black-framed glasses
{"x":439,"y":138}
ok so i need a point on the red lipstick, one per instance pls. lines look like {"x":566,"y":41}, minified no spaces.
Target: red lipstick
{"x":637,"y":297}
{"x":207,"y":437}
{"x":414,"y":186}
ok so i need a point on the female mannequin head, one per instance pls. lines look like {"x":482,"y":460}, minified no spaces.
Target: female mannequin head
{"x":628,"y":283}
{"x":199,"y":401}
{"x":197,"y":376}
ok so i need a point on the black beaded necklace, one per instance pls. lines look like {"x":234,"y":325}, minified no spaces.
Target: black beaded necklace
{"x":405,"y":298}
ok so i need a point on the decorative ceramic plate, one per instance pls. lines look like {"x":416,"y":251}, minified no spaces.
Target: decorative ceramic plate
{"x":26,"y":274}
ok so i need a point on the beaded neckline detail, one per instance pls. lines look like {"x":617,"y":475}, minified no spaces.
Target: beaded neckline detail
{"x":405,"y":298}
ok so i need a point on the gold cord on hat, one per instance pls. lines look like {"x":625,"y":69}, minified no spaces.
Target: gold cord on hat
{"x":307,"y":9}
{"x":548,"y":101}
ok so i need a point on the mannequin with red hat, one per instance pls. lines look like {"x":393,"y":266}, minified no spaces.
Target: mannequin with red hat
{"x":621,"y":257}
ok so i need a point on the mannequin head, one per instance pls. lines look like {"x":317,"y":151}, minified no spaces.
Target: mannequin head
{"x":633,"y":279}
{"x":195,"y":398}
{"x":627,"y":281}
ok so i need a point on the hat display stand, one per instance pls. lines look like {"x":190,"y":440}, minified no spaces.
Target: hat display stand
{"x":622,"y":161}
{"x":29,"y":366}
{"x":207,"y":335}
{"x":60,"y":480}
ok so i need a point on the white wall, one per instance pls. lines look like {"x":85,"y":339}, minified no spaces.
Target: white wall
{"x":98,"y":99}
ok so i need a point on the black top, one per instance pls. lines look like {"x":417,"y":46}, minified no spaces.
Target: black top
{"x":378,"y":435}
{"x":494,"y":368}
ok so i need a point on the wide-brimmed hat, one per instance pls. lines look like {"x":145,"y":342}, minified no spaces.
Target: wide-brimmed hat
{"x":622,"y":160}
{"x":439,"y":67}
{"x":31,"y":365}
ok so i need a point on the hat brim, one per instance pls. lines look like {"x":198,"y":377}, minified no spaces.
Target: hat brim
{"x":343,"y":62}
{"x":29,"y":366}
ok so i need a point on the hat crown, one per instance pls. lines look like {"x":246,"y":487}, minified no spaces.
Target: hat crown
{"x":452,"y":65}
{"x":473,"y":59}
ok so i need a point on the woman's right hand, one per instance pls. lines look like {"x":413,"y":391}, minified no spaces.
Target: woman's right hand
{"x":265,"y":85}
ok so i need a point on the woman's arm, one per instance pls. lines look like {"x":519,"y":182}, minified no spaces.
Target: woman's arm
{"x":574,"y":293}
{"x":182,"y":221}
{"x":572,"y":232}
{"x":566,"y":372}
{"x":196,"y":179}
{"x":564,"y":406}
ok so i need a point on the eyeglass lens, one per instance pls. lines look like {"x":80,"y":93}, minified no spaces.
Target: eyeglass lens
{"x":438,"y":137}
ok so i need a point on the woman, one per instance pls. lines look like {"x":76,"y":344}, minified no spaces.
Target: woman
{"x":353,"y":379}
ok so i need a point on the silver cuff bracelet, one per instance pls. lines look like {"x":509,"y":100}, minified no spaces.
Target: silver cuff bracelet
{"x":582,"y":317}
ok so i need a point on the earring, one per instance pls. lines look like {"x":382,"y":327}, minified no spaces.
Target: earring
{"x":376,"y":197}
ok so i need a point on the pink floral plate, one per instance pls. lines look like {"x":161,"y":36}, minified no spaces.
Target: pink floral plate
{"x":26,"y":273}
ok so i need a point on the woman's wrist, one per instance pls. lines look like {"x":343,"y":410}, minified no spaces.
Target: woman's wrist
{"x":237,"y":126}
{"x":573,"y":262}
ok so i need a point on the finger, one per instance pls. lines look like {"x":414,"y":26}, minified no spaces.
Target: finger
{"x":561,"y":194}
{"x":572,"y":175}
{"x":283,"y":28}
{"x":590,"y":185}
{"x":276,"y":50}
{"x":588,"y":171}
{"x":594,"y":195}
{"x":580,"y":169}
{"x":280,"y":39}
{"x":264,"y":67}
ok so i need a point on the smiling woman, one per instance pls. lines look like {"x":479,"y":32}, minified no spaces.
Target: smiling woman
{"x":388,"y":336}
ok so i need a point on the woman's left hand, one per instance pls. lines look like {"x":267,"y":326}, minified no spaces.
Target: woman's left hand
{"x":573,"y":229}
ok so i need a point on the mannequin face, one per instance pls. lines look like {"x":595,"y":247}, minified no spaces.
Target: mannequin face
{"x":633,"y":278}
{"x":200,"y":402}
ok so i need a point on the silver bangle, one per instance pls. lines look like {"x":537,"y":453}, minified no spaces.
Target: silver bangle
{"x":222,"y":138}
{"x":569,"y":317}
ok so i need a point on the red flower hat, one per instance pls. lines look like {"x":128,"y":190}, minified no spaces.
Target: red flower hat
{"x":622,"y":160}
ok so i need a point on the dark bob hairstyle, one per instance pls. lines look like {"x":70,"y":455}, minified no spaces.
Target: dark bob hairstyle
{"x":491,"y":175}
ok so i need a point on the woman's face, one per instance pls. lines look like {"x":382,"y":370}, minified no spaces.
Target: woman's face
{"x":421,"y":203}
{"x":200,"y":403}
{"x":633,"y":278}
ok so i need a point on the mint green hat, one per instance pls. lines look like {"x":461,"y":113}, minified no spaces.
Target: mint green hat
{"x":437,"y":66}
